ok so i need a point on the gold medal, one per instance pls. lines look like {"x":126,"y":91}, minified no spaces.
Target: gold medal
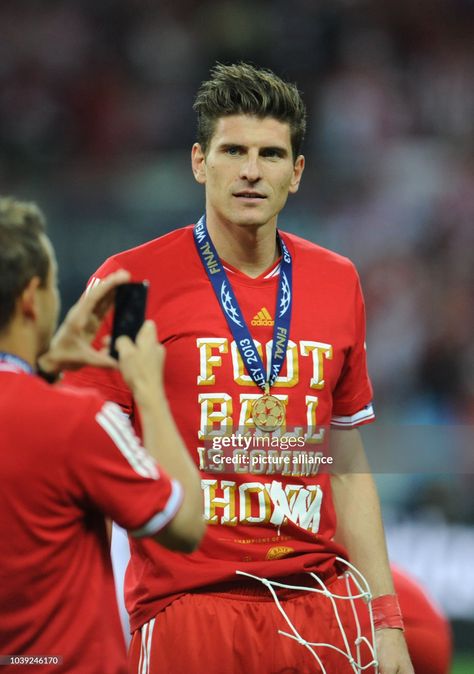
{"x":268,"y":412}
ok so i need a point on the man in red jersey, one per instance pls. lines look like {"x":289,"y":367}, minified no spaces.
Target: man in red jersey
{"x":67,"y":458}
{"x":264,"y":334}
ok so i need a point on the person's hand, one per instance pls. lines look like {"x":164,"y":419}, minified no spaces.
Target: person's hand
{"x":141,"y":363}
{"x":71,"y":347}
{"x":392,"y":652}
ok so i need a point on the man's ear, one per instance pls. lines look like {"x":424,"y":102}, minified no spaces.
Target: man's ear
{"x":198,"y":162}
{"x":298,"y":169}
{"x":27,"y":303}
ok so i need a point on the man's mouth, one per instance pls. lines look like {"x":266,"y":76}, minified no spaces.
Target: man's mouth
{"x":249,"y":195}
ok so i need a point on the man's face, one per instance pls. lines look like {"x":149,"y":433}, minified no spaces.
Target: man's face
{"x":48,"y":301}
{"x":248,"y":170}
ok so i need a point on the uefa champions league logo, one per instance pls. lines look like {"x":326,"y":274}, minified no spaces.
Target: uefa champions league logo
{"x":285,"y":295}
{"x":229,"y":308}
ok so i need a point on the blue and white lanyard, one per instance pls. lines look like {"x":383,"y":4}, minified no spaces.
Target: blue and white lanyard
{"x":14,"y":363}
{"x":235,"y":319}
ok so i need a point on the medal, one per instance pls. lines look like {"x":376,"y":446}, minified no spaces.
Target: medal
{"x":268,"y":412}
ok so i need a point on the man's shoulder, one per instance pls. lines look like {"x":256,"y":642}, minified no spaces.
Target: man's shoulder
{"x":64,"y":400}
{"x":80,"y":398}
{"x":53,"y":407}
{"x":312,"y":253}
{"x":159,"y":251}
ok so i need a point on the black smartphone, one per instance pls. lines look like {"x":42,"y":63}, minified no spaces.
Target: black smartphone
{"x":129,"y":314}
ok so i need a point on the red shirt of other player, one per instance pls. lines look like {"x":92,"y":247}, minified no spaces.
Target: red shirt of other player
{"x":67,"y":459}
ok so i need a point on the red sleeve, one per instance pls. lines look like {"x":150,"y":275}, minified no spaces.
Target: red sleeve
{"x":109,"y":383}
{"x":112,"y":470}
{"x":353,"y":391}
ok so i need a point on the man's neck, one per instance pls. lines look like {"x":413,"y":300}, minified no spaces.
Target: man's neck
{"x":10,"y":343}
{"x":251,"y":250}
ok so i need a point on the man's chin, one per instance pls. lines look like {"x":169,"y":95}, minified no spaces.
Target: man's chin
{"x":251,"y":219}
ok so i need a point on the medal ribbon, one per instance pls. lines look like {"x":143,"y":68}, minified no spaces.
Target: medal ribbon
{"x":11,"y":363}
{"x":235,"y":319}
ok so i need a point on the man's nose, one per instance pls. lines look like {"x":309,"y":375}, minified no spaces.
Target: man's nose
{"x":250,"y":168}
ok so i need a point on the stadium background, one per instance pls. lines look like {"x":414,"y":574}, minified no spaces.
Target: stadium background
{"x":96,"y":125}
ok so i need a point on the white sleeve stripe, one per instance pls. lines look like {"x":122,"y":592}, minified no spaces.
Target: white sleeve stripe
{"x":162,"y":518}
{"x":115,"y":414}
{"x":122,"y":423}
{"x":352,"y":420}
{"x":113,"y":422}
{"x":128,"y":451}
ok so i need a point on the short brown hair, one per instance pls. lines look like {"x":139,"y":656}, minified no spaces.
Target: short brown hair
{"x":22,"y":252}
{"x":243,"y":89}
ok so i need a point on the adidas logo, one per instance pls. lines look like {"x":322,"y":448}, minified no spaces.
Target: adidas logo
{"x":262,"y":318}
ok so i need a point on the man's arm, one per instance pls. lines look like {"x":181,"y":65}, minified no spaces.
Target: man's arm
{"x":360,"y":531}
{"x":141,"y":364}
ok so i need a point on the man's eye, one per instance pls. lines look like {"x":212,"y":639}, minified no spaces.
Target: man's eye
{"x":272,"y":153}
{"x":233,"y":151}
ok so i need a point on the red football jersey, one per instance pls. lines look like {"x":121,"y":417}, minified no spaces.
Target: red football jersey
{"x":269,"y":511}
{"x":66,"y":459}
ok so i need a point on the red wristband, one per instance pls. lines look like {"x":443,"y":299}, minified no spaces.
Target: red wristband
{"x":386,"y":612}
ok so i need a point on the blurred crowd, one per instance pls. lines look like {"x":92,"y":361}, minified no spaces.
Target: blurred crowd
{"x":96,"y":123}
